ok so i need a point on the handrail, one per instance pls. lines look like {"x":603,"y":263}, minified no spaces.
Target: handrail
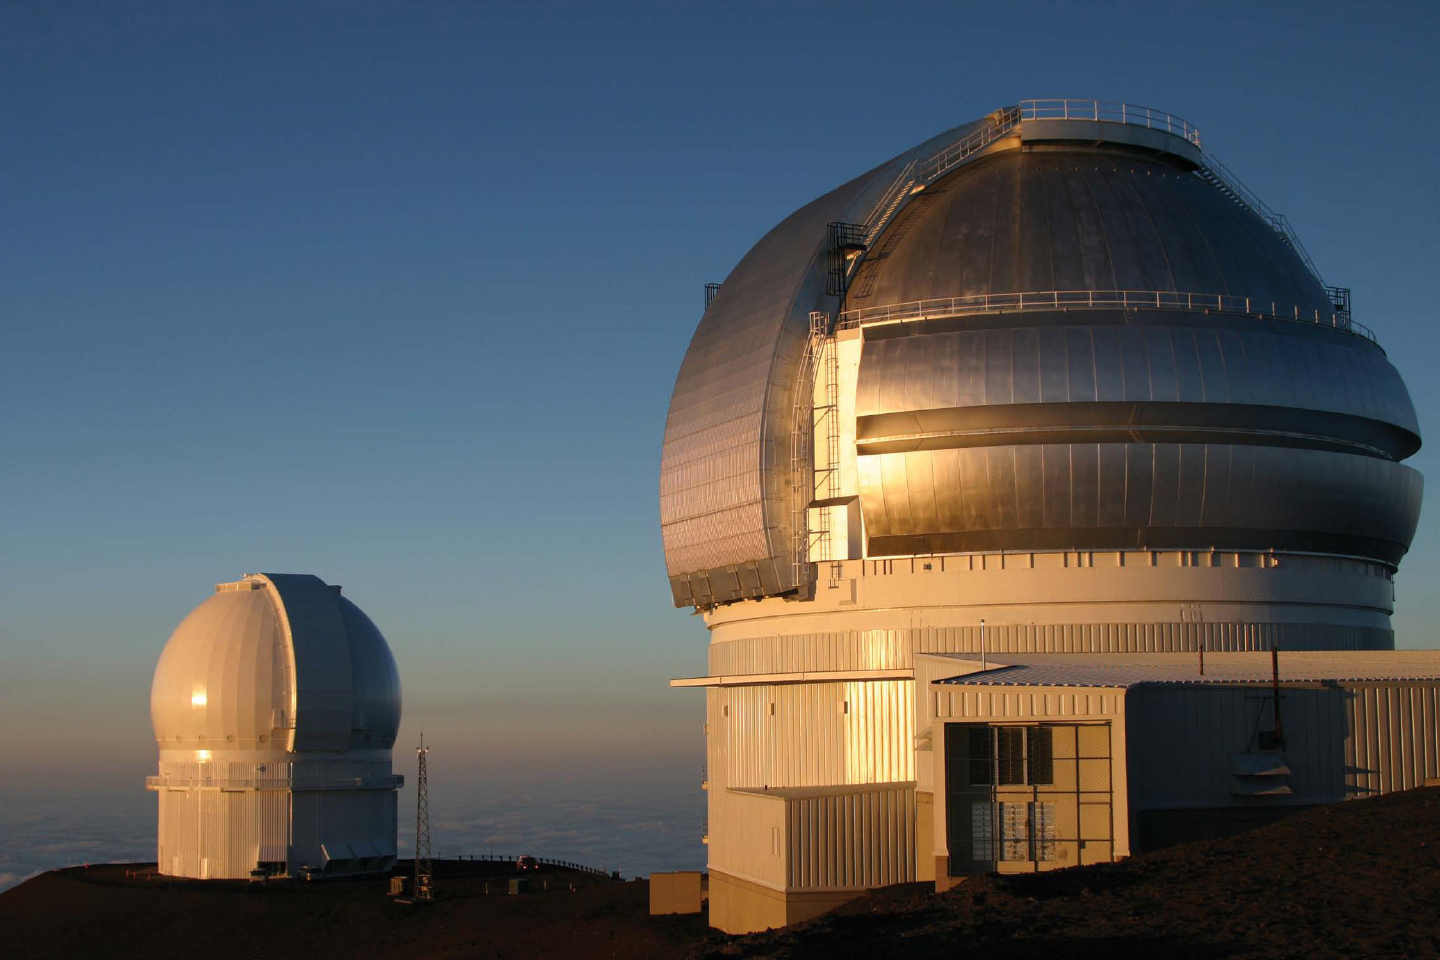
{"x":1109,"y":111}
{"x":1248,"y":198}
{"x":387,"y":782}
{"x":921,"y":173}
{"x":547,"y":861}
{"x":918,"y":174}
{"x":1094,"y":300}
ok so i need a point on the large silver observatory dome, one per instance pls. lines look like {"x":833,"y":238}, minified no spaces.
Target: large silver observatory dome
{"x":275,"y":705}
{"x":1080,"y":332}
{"x":1053,"y":385}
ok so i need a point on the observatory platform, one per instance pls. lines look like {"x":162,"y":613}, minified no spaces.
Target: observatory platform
{"x":1053,"y":382}
{"x":275,"y":704}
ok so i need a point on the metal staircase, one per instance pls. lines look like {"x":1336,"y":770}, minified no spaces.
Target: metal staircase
{"x":1221,"y":178}
{"x":919,"y":174}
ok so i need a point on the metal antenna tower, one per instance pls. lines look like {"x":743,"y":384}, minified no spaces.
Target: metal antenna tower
{"x":424,"y":887}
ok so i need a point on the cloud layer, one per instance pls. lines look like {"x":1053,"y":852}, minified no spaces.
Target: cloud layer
{"x":628,"y":827}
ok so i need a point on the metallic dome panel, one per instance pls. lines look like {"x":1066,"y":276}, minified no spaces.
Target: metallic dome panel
{"x":724,"y":470}
{"x":1110,"y":496}
{"x":1067,"y":425}
{"x":1080,"y":219}
{"x":1275,"y":381}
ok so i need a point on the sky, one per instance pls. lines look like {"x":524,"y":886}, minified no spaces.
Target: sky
{"x":395,"y":294}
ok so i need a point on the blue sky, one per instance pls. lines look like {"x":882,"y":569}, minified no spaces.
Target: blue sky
{"x":396,"y":293}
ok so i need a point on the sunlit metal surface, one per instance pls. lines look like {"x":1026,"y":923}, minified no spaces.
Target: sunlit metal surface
{"x":1051,"y":301}
{"x":958,"y":225}
{"x":275,"y":704}
{"x":1055,"y":382}
{"x":1077,"y":219}
{"x":724,"y":471}
{"x":1116,"y":495}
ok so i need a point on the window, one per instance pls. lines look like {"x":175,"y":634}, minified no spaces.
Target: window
{"x":1024,"y":756}
{"x":1009,"y":755}
{"x":979,"y":757}
{"x":1027,"y":831}
{"x":1040,"y":755}
{"x":982,"y":838}
{"x":1042,"y":830}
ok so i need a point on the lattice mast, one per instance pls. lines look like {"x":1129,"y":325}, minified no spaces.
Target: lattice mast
{"x":424,"y":878}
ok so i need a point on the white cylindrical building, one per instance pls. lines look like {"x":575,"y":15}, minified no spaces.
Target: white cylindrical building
{"x":275,"y":705}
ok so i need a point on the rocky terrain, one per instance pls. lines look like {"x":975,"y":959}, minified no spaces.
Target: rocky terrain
{"x":1359,"y":879}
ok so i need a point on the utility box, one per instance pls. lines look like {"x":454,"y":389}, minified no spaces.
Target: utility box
{"x":397,"y":886}
{"x":519,"y":885}
{"x":678,"y":892}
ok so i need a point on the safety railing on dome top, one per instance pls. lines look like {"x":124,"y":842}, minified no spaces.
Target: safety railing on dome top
{"x":1095,"y":299}
{"x":918,"y":174}
{"x":1109,"y":111}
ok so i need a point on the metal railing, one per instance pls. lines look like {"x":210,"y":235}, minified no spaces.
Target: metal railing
{"x":918,"y":174}
{"x":277,"y":783}
{"x":1096,"y":300}
{"x":1220,"y":176}
{"x":1109,"y":111}
{"x":499,"y":858}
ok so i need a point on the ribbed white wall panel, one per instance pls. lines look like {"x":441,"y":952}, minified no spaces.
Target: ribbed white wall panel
{"x":817,"y":734}
{"x":895,"y":649}
{"x":1012,"y":704}
{"x":1393,"y":742}
{"x":851,"y":840}
{"x":747,"y":836}
{"x":1346,"y":740}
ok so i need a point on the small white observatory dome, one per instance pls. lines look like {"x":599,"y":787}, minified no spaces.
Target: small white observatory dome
{"x":275,"y":705}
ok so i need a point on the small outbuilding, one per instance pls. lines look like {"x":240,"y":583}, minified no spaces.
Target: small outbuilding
{"x":1040,"y":761}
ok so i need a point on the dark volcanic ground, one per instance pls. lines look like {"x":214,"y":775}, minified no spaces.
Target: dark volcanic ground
{"x":100,"y":912}
{"x":1360,"y":879}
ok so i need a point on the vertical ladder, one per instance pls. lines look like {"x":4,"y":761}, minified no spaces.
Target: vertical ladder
{"x":827,"y":480}
{"x":802,"y":457}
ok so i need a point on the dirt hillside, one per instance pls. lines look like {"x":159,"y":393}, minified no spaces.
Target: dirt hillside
{"x":1359,"y":879}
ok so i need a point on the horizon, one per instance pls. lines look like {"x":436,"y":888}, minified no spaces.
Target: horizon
{"x":397,"y":296}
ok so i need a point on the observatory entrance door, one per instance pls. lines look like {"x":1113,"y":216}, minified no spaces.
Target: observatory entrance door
{"x":1026,"y":797}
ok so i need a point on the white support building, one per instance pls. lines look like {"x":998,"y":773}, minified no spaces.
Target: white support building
{"x":275,"y":704}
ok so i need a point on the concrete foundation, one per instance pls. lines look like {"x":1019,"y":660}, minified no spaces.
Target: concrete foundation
{"x":678,"y":892}
{"x":739,"y":906}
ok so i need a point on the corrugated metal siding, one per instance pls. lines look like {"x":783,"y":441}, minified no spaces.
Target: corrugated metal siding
{"x":958,"y":703}
{"x":849,"y":840}
{"x":1342,"y":740}
{"x":223,"y":827}
{"x":221,"y":833}
{"x":747,"y":837}
{"x":895,"y":649}
{"x":817,"y":734}
{"x":1393,"y":738}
